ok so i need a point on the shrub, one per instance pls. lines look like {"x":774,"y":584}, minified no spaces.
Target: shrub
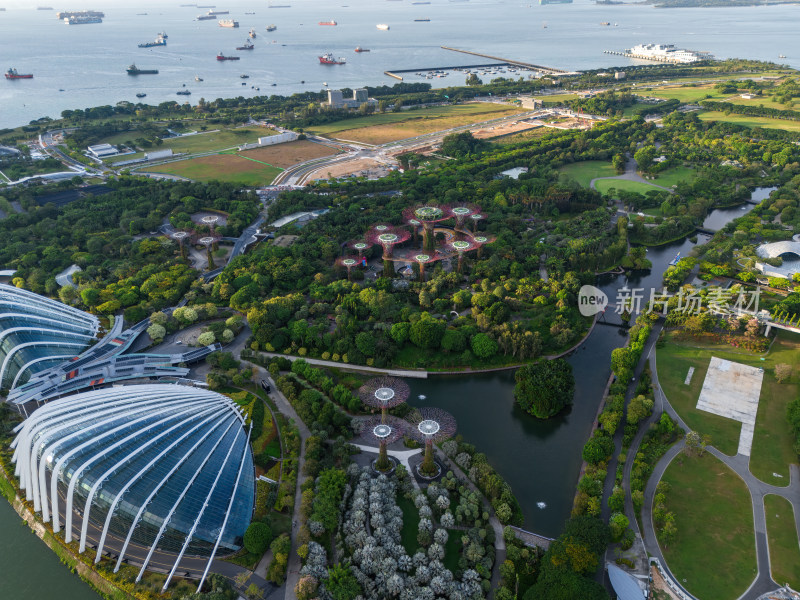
{"x":257,"y":538}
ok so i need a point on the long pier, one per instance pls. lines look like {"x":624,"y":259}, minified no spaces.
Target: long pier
{"x":396,"y":72}
{"x":518,"y":63}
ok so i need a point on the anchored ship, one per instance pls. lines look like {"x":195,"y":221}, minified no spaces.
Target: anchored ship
{"x":330,"y":59}
{"x":14,"y":74}
{"x":79,"y":13}
{"x":205,"y":17}
{"x":221,"y":56}
{"x":360,"y":49}
{"x":331,"y":23}
{"x":82,"y":20}
{"x":382,"y":26}
{"x":228,"y":23}
{"x":271,"y":27}
{"x":246,"y":46}
{"x":134,"y":70}
{"x":252,"y":34}
{"x":161,"y":40}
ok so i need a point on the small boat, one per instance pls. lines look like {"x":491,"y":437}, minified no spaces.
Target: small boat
{"x":221,"y":56}
{"x":675,"y":260}
{"x":198,"y":78}
{"x":141,"y":95}
{"x":248,"y":45}
{"x":382,"y":26}
{"x":273,"y":84}
{"x":781,"y":56}
{"x":252,"y":34}
{"x":325,"y":83}
{"x":271,"y":27}
{"x":330,"y":23}
{"x":360,"y":49}
{"x":605,"y":23}
{"x":243,"y":76}
{"x":184,"y":93}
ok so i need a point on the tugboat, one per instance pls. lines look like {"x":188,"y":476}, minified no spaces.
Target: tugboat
{"x":329,"y":59}
{"x":184,"y":93}
{"x":13,"y":74}
{"x":161,"y":40}
{"x":248,"y":45}
{"x":271,"y":27}
{"x":360,"y":49}
{"x":221,"y":56}
{"x":243,"y":76}
{"x":252,"y":33}
{"x":134,"y":70}
{"x":141,"y":95}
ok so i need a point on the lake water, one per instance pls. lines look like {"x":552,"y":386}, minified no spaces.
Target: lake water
{"x":88,"y":62}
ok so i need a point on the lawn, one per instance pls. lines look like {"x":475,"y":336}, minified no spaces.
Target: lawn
{"x":713,"y":554}
{"x":691,"y":94}
{"x":764,"y":122}
{"x":557,"y":98}
{"x":583,"y":172}
{"x":784,"y":551}
{"x":674,"y":176}
{"x":408,"y":535}
{"x":288,"y":154}
{"x":772,"y":442}
{"x":604,"y":185}
{"x":389,"y":127}
{"x":221,"y":167}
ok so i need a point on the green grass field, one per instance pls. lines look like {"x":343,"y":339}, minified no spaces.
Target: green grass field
{"x":764,"y":122}
{"x":557,"y":98}
{"x":713,"y":554}
{"x":221,"y":167}
{"x":408,"y":535}
{"x":604,"y":185}
{"x":387,"y":127}
{"x":784,"y":550}
{"x":201,"y":142}
{"x":674,"y":176}
{"x":772,"y":442}
{"x":584,"y":172}
{"x":686,"y":93}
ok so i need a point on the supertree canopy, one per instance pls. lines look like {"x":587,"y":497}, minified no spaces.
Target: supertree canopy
{"x":476,"y":218}
{"x":359,"y":246}
{"x":482,"y":240}
{"x":462,"y":212}
{"x":384,"y":393}
{"x":210,"y":242}
{"x":348,"y":262}
{"x":422,"y":258}
{"x":384,"y":433}
{"x":430,"y":425}
{"x":428,"y":215}
{"x":387,"y":237}
{"x":462,"y":247}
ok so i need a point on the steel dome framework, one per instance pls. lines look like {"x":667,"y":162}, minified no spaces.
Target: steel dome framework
{"x":159,"y":466}
{"x":37,"y":333}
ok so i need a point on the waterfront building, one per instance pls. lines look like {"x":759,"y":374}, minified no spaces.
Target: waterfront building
{"x":37,"y":333}
{"x":337,"y":100}
{"x":789,"y":253}
{"x":140,"y":469}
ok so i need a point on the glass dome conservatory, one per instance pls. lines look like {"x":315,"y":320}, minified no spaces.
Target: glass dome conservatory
{"x":37,"y":333}
{"x":140,"y":469}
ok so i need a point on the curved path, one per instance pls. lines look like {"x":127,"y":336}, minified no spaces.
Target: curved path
{"x":630,"y":174}
{"x":763,"y":583}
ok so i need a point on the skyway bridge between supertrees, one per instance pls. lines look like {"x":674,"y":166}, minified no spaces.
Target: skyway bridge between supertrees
{"x":461,"y":236}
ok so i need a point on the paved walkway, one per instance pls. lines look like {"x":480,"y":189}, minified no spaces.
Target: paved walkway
{"x":630,"y":174}
{"x":348,"y":367}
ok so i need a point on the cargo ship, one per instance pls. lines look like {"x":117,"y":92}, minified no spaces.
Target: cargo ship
{"x":555,"y":1}
{"x":331,"y":23}
{"x":246,"y":46}
{"x":14,"y":74}
{"x":134,"y":70}
{"x":79,"y":13}
{"x":214,"y":13}
{"x":382,"y":26}
{"x":205,"y":17}
{"x":271,"y":27}
{"x":330,"y":59}
{"x":82,"y":20}
{"x":228,"y":23}
{"x":360,"y":49}
{"x":221,"y":56}
{"x":161,"y":40}
{"x":421,"y":20}
{"x":38,"y":8}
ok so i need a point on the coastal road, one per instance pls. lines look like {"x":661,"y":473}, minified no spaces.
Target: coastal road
{"x":51,"y":147}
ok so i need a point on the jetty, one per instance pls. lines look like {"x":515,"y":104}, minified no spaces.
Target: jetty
{"x":516,"y":63}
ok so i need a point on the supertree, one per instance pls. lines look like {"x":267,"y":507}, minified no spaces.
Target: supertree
{"x":430,"y":425}
{"x":348,"y":262}
{"x":387,"y":237}
{"x":179,"y":236}
{"x":475,"y":218}
{"x":359,"y":246}
{"x":384,"y":393}
{"x":482,"y":240}
{"x":427,"y":215}
{"x":384,"y":433}
{"x":422,"y":259}
{"x":462,"y":247}
{"x":461,"y":213}
{"x":414,"y":228}
{"x":209,"y":241}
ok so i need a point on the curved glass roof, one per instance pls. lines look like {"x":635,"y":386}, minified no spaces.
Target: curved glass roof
{"x":159,"y":467}
{"x":37,"y":333}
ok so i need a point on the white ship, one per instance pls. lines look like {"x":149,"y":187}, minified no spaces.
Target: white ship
{"x":382,"y":26}
{"x":228,"y":23}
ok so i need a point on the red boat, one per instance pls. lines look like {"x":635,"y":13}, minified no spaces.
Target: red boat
{"x":330,"y":59}
{"x":331,"y":23}
{"x":13,"y":74}
{"x":221,"y":56}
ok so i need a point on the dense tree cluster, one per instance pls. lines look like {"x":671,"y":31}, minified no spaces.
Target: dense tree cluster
{"x":544,"y":388}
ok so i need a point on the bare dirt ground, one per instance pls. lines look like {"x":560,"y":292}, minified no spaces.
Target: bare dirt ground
{"x":505,"y":129}
{"x":659,"y":590}
{"x":290,"y":153}
{"x":362,"y":166}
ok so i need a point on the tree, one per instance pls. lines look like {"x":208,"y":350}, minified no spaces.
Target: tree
{"x":206,"y":339}
{"x":639,"y":408}
{"x":618,"y":162}
{"x":543,"y":389}
{"x":483,"y":346}
{"x":695,"y":444}
{"x":156,"y":332}
{"x":598,"y":448}
{"x":341,"y":583}
{"x":306,"y":588}
{"x":257,"y":538}
{"x":618,"y":524}
{"x":427,"y":332}
{"x":783,"y":372}
{"x":473,"y":79}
